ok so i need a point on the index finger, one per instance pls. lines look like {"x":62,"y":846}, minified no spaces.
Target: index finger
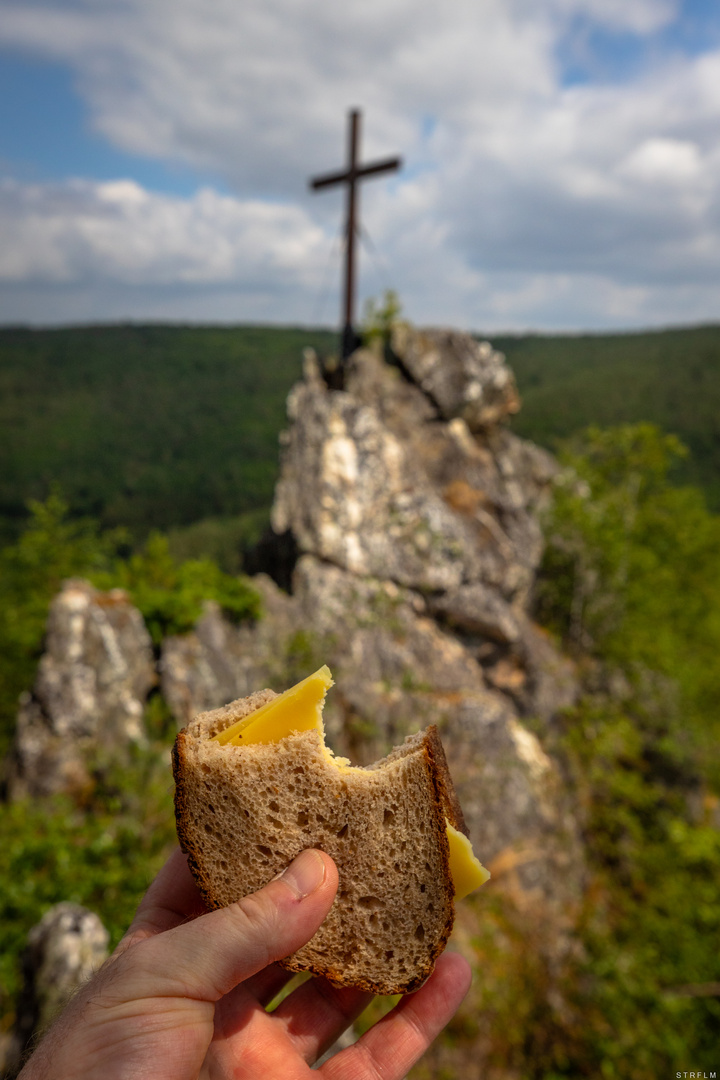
{"x":172,"y":899}
{"x":395,"y":1043}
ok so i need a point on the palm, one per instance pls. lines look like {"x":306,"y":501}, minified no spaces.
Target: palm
{"x":168,"y":1006}
{"x":249,"y":1042}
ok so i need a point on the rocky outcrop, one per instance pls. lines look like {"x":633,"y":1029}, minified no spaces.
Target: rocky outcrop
{"x":90,"y":689}
{"x":460,"y":376}
{"x":415,"y":514}
{"x":407,"y":519}
{"x":63,"y":950}
{"x":218,"y":662}
{"x":418,"y":514}
{"x":375,"y":481}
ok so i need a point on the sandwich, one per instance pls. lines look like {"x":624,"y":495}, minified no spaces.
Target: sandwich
{"x":256,"y":785}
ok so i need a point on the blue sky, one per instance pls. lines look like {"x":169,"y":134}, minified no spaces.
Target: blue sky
{"x":589,"y":52}
{"x":562,"y":159}
{"x":46,"y":133}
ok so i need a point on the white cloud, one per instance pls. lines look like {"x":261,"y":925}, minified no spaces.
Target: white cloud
{"x":664,"y":161}
{"x":520,"y":194}
{"x":639,"y":16}
{"x":118,"y":232}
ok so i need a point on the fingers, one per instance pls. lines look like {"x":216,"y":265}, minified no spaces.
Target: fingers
{"x":317,"y":1013}
{"x":268,"y":983}
{"x":393,"y":1046}
{"x":172,"y":899}
{"x":207,"y":957}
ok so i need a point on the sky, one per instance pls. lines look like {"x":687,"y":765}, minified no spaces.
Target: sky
{"x":561,"y":160}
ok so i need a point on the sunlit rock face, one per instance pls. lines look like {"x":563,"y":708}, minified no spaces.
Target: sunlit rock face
{"x":375,"y":480}
{"x":416,"y":512}
{"x":63,"y":950}
{"x":462,"y":377}
{"x":219,"y":662}
{"x":90,"y":689}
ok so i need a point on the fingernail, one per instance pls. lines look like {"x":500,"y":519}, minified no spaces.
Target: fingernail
{"x":305,"y":874}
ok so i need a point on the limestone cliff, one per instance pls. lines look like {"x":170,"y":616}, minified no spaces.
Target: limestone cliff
{"x":90,"y":690}
{"x":414,"y":511}
{"x":413,"y":514}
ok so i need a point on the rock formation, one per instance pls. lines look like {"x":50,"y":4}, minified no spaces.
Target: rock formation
{"x":218,"y":662}
{"x":63,"y":950}
{"x":90,"y":689}
{"x":415,"y":513}
{"x":412,"y":516}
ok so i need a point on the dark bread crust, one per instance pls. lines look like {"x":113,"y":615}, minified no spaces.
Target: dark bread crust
{"x":207,"y":724}
{"x":444,"y":806}
{"x":443,"y":780}
{"x":183,"y":823}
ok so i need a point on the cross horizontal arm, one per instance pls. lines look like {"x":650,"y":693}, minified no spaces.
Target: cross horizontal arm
{"x":346,"y":175}
{"x":387,"y":165}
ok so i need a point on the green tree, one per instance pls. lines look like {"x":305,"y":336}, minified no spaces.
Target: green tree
{"x":54,"y":547}
{"x":380,"y":317}
{"x":631,"y":584}
{"x":631,"y":565}
{"x":170,"y":595}
{"x":101,"y":851}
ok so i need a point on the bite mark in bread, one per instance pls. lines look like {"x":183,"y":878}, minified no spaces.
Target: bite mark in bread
{"x":245,"y":811}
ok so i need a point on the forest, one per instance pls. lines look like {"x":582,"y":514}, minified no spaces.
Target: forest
{"x":146,"y":457}
{"x":161,"y":427}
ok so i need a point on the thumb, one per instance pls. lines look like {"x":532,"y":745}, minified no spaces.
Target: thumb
{"x":207,"y":957}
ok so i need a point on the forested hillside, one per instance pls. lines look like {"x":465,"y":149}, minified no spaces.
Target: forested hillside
{"x":144,"y":426}
{"x":163,"y":426}
{"x":669,"y":377}
{"x":132,"y":421}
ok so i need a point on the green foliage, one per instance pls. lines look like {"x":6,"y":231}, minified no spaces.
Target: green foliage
{"x":159,"y":427}
{"x":631,"y":583}
{"x":151,"y":427}
{"x":668,"y":377}
{"x":101,"y":850}
{"x":379,"y":318}
{"x":51,"y":549}
{"x":170,"y":596}
{"x":225,"y":540}
{"x":54,"y":547}
{"x":652,"y":918}
{"x":631,"y":570}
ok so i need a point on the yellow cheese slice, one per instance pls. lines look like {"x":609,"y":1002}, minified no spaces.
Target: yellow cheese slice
{"x":467,"y":871}
{"x":300,"y":709}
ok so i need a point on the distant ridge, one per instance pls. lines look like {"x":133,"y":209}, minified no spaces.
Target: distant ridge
{"x":670,"y":377}
{"x":148,"y":426}
{"x":159,"y":426}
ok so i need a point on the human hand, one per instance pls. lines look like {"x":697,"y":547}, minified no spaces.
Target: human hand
{"x":183,"y":997}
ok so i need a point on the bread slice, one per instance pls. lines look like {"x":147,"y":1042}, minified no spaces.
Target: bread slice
{"x":244,"y":812}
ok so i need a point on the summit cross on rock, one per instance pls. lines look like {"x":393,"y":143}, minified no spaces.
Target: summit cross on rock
{"x":350,"y":176}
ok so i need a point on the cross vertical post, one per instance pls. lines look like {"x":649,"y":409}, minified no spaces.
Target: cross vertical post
{"x":350,"y":176}
{"x":348,"y":332}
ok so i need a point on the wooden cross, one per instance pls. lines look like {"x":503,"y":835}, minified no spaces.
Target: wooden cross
{"x":350,"y":176}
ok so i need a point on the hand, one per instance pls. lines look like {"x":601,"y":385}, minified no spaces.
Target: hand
{"x":183,"y":996}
